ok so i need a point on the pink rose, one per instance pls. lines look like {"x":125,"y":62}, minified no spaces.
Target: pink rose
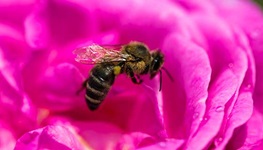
{"x":213,"y":50}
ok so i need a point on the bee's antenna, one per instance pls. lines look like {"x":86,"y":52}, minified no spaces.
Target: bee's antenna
{"x":168,"y":73}
{"x":161,"y":80}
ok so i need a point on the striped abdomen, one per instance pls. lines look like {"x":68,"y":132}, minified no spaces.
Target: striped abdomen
{"x":98,"y":85}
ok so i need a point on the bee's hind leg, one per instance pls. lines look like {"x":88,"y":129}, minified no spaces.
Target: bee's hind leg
{"x":83,"y":86}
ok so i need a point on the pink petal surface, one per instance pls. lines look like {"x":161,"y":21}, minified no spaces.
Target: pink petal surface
{"x":195,"y":74}
{"x":237,"y":61}
{"x":213,"y":54}
{"x":22,"y":108}
{"x":49,"y":137}
{"x":161,"y":22}
{"x":167,"y":145}
{"x":252,"y":31}
{"x":14,"y":102}
{"x":58,"y":22}
{"x":60,"y":85}
{"x":13,"y":12}
{"x":7,"y":138}
{"x":127,"y":113}
{"x":247,"y":86}
{"x":239,"y":115}
{"x":36,"y":29}
{"x":249,"y":135}
{"x":220,"y":92}
{"x":104,"y":135}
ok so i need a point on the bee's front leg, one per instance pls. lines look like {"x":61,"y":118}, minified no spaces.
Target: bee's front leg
{"x":137,"y":79}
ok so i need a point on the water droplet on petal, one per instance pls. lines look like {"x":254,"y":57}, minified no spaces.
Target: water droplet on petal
{"x":219,"y":108}
{"x":204,"y":119}
{"x":248,"y":86}
{"x":196,"y":114}
{"x":218,"y":141}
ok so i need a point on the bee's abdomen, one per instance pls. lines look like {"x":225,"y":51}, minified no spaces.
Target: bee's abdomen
{"x":98,"y":85}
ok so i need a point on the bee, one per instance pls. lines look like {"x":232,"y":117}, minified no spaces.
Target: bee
{"x":133,"y":59}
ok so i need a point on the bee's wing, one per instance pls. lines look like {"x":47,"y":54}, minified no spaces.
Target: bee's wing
{"x":94,"y":54}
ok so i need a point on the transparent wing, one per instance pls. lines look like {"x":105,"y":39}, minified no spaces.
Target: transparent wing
{"x":94,"y":54}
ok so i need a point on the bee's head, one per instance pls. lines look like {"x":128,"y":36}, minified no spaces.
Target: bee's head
{"x":156,"y":63}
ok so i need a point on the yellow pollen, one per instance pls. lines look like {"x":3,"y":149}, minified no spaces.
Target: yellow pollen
{"x":117,"y":70}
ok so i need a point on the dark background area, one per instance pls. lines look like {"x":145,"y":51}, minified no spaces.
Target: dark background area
{"x":260,"y":2}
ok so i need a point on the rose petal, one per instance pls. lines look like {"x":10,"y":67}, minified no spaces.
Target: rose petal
{"x":15,"y":104}
{"x":128,"y":111}
{"x":245,"y":136}
{"x":104,"y":135}
{"x":194,"y":74}
{"x":252,"y":31}
{"x":208,"y":51}
{"x":234,"y":57}
{"x":249,"y":135}
{"x":239,"y":115}
{"x":97,"y":135}
{"x":36,"y":30}
{"x":142,"y":112}
{"x":167,"y":145}
{"x":13,"y":99}
{"x":7,"y":138}
{"x":59,"y":87}
{"x":246,"y":89}
{"x":49,"y":137}
{"x":220,"y":92}
{"x":13,"y":12}
{"x":58,"y":23}
{"x":153,"y":22}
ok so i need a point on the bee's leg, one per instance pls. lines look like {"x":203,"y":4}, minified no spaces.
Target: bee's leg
{"x":82,"y":87}
{"x":133,"y":78}
{"x":138,"y":78}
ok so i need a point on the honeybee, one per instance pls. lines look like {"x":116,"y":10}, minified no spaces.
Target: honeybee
{"x":133,"y":59}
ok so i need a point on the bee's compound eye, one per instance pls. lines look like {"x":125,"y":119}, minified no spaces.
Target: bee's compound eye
{"x":156,"y":64}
